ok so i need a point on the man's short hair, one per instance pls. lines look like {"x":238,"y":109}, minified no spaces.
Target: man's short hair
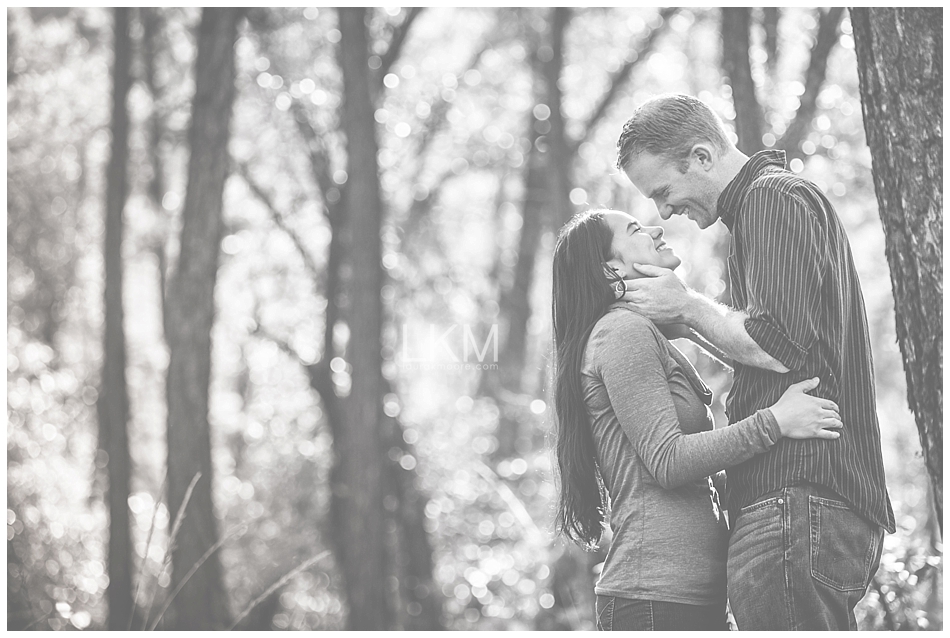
{"x":669,"y":126}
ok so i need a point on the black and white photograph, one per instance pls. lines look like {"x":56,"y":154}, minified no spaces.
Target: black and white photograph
{"x":474,"y":319}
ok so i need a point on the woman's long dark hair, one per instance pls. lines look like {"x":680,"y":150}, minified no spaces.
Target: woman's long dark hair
{"x":581,"y":296}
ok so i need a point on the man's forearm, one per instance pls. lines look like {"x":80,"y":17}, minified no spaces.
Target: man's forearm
{"x":724,"y":328}
{"x":710,"y":348}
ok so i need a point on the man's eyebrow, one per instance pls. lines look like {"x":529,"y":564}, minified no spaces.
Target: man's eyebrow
{"x":656,"y":191}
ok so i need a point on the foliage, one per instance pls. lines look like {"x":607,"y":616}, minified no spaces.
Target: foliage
{"x":452,"y":128}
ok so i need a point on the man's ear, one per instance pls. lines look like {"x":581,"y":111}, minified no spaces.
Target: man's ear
{"x":704,"y":155}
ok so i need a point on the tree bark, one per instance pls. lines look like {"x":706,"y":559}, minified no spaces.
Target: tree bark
{"x":113,"y":403}
{"x":900,"y":69}
{"x":201,"y":604}
{"x":357,"y":477}
{"x":750,"y":122}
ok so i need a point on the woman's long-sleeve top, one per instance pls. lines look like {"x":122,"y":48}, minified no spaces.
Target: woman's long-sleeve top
{"x":655,"y":449}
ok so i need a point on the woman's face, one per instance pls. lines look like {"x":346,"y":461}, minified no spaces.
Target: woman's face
{"x":636,"y":244}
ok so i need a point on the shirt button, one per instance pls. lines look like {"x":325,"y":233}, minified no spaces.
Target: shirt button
{"x":781,"y":501}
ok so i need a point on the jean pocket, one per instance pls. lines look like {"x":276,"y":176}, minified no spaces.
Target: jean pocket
{"x":605,"y":616}
{"x":760,"y":507}
{"x":843,"y":545}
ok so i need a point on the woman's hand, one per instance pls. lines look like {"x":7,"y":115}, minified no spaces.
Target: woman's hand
{"x":802,"y":416}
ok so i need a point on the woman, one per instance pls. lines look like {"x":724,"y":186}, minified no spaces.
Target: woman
{"x":634,"y":428}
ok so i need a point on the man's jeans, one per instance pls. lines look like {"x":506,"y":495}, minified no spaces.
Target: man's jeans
{"x":624,"y":614}
{"x":800,"y":559}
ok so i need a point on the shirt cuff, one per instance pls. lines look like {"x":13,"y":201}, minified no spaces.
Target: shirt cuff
{"x":772,"y":429}
{"x":775,"y":343}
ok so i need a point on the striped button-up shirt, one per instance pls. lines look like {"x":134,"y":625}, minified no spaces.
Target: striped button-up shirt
{"x":791,"y":271}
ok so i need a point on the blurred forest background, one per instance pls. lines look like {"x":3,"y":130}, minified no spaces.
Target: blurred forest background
{"x":296,"y":475}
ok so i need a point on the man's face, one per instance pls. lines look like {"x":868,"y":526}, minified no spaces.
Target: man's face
{"x":693,"y":193}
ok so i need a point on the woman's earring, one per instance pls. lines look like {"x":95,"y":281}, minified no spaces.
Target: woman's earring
{"x":619,"y":285}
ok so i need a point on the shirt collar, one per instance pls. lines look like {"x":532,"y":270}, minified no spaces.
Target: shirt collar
{"x":732,"y":196}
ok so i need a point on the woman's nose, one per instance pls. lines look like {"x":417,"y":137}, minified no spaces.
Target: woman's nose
{"x":655,"y":231}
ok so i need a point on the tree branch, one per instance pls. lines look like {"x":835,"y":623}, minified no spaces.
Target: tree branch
{"x":437,"y":119}
{"x":750,"y":120}
{"x":420,"y":208}
{"x":494,"y":273}
{"x":159,"y":249}
{"x":825,"y":41}
{"x":395,"y":43}
{"x":319,"y":161}
{"x":317,"y":373}
{"x":770,"y":20}
{"x":263,"y":333}
{"x":440,"y":109}
{"x":152,"y":23}
{"x":316,"y":148}
{"x":278,"y":218}
{"x":617,"y":81}
{"x":318,"y":381}
{"x":318,"y":154}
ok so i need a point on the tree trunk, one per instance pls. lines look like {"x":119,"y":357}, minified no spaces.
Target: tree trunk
{"x":113,"y":404}
{"x":515,"y":302}
{"x":546,"y":183}
{"x":900,"y":68}
{"x":201,"y":604}
{"x":750,"y":122}
{"x":417,"y":603}
{"x":357,"y":491}
{"x":152,"y":23}
{"x":410,"y":558}
{"x":559,"y":153}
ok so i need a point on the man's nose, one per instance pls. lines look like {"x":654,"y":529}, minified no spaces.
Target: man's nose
{"x":666,"y":211}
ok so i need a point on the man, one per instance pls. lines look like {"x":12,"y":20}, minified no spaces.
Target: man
{"x":808,"y":516}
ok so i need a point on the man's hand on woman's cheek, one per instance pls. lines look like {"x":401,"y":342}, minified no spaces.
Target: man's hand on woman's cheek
{"x":660,"y":296}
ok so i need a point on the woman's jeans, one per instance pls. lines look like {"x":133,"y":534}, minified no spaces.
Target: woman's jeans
{"x":624,"y":614}
{"x":800,"y":559}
